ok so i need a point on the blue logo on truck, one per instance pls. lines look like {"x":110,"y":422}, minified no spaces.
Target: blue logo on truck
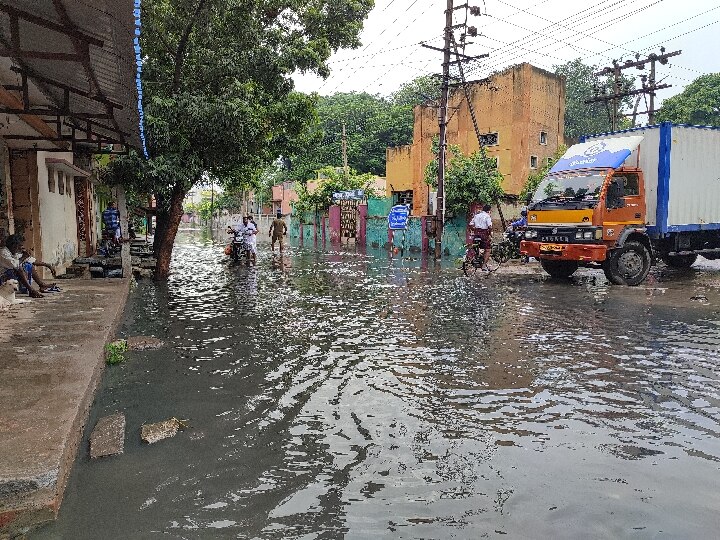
{"x":603,"y":154}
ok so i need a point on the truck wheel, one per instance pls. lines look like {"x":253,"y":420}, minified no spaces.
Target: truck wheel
{"x":680,"y":261}
{"x":559,"y":269}
{"x":628,"y":265}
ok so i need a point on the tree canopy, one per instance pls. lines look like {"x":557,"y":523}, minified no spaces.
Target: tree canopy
{"x":218,"y":91}
{"x":698,"y":104}
{"x":468,"y":179}
{"x":331,"y":181}
{"x":372,"y":123}
{"x":581,"y":84}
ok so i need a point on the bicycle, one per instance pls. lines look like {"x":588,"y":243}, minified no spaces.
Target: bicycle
{"x":474,"y":259}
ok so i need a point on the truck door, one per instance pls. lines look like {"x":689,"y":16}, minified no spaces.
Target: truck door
{"x":626,"y":205}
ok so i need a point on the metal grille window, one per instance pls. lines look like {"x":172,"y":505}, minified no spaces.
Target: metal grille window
{"x":489,"y":139}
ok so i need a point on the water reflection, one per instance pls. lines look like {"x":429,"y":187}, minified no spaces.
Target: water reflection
{"x":340,"y":394}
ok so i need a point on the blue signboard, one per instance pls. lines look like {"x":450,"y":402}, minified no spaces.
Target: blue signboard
{"x":598,"y":154}
{"x":398,"y":217}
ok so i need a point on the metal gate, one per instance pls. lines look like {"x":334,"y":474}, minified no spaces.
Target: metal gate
{"x":348,"y":218}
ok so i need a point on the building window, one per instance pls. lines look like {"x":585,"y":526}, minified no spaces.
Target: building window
{"x":489,"y":139}
{"x":543,"y":137}
{"x":403,"y":197}
{"x":533,"y":162}
{"x":61,"y":183}
{"x":51,"y":180}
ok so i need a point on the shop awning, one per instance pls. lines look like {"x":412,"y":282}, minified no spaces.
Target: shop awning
{"x":68,"y":74}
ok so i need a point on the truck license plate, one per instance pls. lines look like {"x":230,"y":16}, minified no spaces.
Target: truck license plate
{"x":551,"y":247}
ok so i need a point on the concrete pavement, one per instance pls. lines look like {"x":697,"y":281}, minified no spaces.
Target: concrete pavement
{"x":51,"y":359}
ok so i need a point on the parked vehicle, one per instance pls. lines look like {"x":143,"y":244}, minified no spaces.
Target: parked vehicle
{"x":509,"y":247}
{"x":623,"y":200}
{"x":109,"y":244}
{"x":239,"y":247}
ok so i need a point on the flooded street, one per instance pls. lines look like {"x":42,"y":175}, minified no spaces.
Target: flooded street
{"x":352,"y":396}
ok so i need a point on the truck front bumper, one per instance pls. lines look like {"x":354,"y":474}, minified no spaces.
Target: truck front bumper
{"x":564,"y":252}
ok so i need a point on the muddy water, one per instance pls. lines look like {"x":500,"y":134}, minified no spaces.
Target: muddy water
{"x":345,"y":395}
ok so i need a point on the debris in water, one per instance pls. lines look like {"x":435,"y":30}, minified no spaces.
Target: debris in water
{"x":152,"y":433}
{"x":141,"y":343}
{"x":699,"y":298}
{"x":108,"y":436}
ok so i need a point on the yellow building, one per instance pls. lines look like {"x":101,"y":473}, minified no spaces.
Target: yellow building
{"x":520,"y":114}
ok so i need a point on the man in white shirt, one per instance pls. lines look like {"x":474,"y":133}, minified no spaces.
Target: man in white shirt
{"x":248,"y":231}
{"x":481,"y":224}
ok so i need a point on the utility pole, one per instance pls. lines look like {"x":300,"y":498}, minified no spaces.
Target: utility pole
{"x":618,"y":93}
{"x":444,"y":99}
{"x":346,"y":172}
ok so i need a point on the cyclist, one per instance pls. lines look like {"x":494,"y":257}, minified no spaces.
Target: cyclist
{"x":481,"y":223}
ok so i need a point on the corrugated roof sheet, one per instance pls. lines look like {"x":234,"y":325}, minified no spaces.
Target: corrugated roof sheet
{"x":103,"y":32}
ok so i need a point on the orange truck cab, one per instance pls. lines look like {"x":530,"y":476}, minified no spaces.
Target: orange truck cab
{"x":621,"y":201}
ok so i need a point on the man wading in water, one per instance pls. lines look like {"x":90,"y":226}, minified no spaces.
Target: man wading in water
{"x":481,"y":223}
{"x":278,"y":229}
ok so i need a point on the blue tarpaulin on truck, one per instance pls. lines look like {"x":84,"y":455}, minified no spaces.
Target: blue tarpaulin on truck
{"x":602,"y":154}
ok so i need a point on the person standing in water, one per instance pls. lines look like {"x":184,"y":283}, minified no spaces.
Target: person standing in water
{"x":278,"y":230}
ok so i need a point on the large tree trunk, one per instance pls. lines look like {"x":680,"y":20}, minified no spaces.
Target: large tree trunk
{"x":168,"y":222}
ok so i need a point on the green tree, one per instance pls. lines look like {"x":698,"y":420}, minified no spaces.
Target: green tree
{"x":331,"y":181}
{"x":534,"y":179}
{"x":468,"y":179}
{"x":423,"y":89}
{"x":581,"y":84}
{"x":219,"y":95}
{"x":698,"y":104}
{"x":372,"y":123}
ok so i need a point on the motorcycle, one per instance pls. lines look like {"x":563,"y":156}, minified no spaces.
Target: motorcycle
{"x":509,"y":247}
{"x":239,"y":247}
{"x":109,"y":244}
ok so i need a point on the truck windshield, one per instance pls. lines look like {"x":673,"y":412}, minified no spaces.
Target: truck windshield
{"x":579,"y":186}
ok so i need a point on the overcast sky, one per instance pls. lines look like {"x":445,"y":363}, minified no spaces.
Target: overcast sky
{"x":542,"y":32}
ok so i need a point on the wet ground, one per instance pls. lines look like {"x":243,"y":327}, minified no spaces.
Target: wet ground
{"x":346,"y":395}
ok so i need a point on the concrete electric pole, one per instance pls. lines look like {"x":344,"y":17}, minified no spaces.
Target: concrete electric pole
{"x":444,"y":99}
{"x":615,"y":98}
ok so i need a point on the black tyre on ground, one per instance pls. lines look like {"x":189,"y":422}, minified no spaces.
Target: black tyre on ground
{"x":680,"y":261}
{"x":628,"y":265}
{"x":559,"y":269}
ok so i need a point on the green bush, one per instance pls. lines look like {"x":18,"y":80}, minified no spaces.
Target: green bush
{"x":115,"y":351}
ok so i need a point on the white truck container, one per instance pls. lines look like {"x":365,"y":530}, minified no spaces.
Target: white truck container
{"x":681,"y":166}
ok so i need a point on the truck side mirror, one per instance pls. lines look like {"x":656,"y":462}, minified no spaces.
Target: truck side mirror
{"x":615,"y":193}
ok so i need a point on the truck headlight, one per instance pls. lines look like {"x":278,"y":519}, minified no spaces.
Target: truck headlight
{"x":531,"y":234}
{"x":588,"y":235}
{"x":578,"y":235}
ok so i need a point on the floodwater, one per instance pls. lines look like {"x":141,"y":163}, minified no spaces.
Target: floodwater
{"x":353,"y":396}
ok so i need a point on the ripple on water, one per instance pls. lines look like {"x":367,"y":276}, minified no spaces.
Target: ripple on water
{"x":347,"y":395}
